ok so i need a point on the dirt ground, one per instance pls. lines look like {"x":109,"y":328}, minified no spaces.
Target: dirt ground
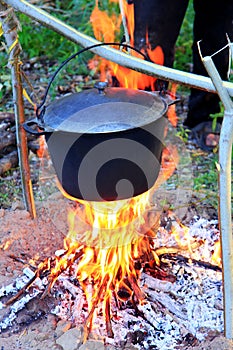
{"x":24,"y":241}
{"x":30,"y":241}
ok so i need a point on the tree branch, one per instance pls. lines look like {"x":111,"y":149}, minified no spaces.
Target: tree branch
{"x":161,"y":72}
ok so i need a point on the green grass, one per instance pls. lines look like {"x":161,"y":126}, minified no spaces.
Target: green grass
{"x":10,"y":189}
{"x":37,"y":40}
{"x":183,"y":52}
{"x":206,"y":178}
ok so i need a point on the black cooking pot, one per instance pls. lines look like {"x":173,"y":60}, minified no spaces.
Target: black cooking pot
{"x":105,"y":143}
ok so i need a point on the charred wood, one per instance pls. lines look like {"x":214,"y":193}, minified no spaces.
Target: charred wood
{"x":108,"y":319}
{"x":184,"y":259}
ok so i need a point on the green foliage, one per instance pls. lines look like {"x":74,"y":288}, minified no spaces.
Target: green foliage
{"x":10,"y":190}
{"x":5,"y":86}
{"x":217,"y":115}
{"x":37,"y":40}
{"x":183,"y":52}
{"x":183,"y":133}
{"x":205,"y":181}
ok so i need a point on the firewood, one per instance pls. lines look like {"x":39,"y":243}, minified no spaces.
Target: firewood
{"x":8,"y":162}
{"x":108,"y":319}
{"x":166,"y":301}
{"x":7,"y":116}
{"x":7,"y":138}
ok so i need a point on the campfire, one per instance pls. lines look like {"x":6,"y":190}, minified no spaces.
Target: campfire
{"x":121,"y":262}
{"x":110,"y":245}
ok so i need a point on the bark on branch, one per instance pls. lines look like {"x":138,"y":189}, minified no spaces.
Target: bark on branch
{"x":10,"y":26}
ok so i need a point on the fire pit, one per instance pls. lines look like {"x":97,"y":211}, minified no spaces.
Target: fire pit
{"x":183,"y":303}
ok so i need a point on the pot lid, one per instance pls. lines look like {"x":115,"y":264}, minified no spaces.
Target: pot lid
{"x":103,"y":111}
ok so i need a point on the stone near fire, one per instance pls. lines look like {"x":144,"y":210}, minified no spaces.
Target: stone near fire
{"x":70,"y":340}
{"x":62,"y":327}
{"x":92,"y":345}
{"x":17,"y":205}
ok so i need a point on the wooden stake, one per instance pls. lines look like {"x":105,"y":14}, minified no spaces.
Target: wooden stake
{"x":10,"y":27}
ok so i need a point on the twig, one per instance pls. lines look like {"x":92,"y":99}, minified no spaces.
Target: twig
{"x":142,"y":315}
{"x":88,"y":323}
{"x":67,"y":263}
{"x":135,"y":287}
{"x":22,"y":261}
{"x":21,"y":291}
{"x":124,"y":22}
{"x":41,"y":272}
{"x":108,"y":318}
{"x":10,"y":27}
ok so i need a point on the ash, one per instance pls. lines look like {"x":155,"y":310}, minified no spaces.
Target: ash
{"x":175,"y":315}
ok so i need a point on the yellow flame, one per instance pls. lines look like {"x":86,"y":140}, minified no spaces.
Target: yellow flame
{"x":113,"y":239}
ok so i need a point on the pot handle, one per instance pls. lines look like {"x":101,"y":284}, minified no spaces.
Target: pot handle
{"x":27,"y":127}
{"x":173,"y":102}
{"x":40,"y":109}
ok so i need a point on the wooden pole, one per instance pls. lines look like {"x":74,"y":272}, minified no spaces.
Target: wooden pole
{"x":10,"y":27}
{"x":225,"y":157}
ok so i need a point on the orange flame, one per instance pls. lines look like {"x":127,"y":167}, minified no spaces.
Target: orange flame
{"x":42,"y":151}
{"x":105,"y":28}
{"x":171,"y":113}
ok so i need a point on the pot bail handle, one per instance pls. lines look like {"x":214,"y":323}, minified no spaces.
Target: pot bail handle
{"x":40,"y":109}
{"x":27,"y":127}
